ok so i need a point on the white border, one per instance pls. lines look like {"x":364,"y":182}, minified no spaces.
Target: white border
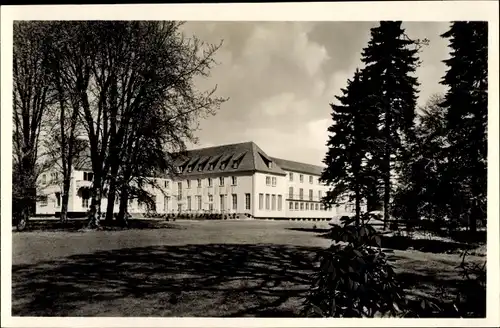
{"x":361,"y":11}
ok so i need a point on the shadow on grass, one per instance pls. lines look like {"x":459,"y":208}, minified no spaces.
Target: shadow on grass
{"x":73,"y":225}
{"x":218,"y":280}
{"x":251,"y":280}
{"x":405,"y":243}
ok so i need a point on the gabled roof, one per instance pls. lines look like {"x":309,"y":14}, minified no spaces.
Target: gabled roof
{"x":298,"y":167}
{"x":240,"y":157}
{"x":246,"y":156}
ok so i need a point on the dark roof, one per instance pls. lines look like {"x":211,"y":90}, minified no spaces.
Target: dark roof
{"x":247,"y":155}
{"x":298,"y":167}
{"x":240,"y":157}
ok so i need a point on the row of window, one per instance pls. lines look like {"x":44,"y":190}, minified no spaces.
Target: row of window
{"x":300,"y":206}
{"x":270,"y":202}
{"x":54,"y":176}
{"x":271,"y":181}
{"x":211,"y":164}
{"x":291,"y":195}
{"x":301,"y":178}
{"x":199,"y":182}
{"x":198,"y":203}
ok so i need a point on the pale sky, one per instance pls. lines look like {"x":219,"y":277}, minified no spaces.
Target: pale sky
{"x":281,"y":76}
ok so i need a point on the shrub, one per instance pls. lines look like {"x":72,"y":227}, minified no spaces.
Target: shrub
{"x":354,"y":279}
{"x":470,"y":300}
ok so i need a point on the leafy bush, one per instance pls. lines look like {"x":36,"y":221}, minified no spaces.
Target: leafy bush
{"x":470,"y":301}
{"x":354,"y":277}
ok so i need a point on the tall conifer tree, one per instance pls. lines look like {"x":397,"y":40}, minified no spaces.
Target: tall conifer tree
{"x":466,"y":102}
{"x":349,"y":150}
{"x":391,"y":59}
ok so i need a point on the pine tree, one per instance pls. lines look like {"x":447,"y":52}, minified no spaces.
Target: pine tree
{"x":467,"y":110}
{"x":348,"y":155}
{"x":391,"y":59}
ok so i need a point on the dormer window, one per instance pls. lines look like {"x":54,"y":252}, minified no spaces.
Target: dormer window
{"x":190,"y":168}
{"x":270,"y":165}
{"x":211,"y":167}
{"x":223,"y":166}
{"x":200,"y":167}
{"x":235,"y":165}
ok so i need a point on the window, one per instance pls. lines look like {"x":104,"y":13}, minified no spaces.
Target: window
{"x":211,"y":167}
{"x":247,"y":201}
{"x":200,"y":167}
{"x":222,"y":202}
{"x":88,"y":176}
{"x":188,"y":184}
{"x":273,"y":203}
{"x":190,"y":168}
{"x":166,"y":184}
{"x":44,"y":201}
{"x":301,"y":206}
{"x":280,"y":202}
{"x":296,"y":206}
{"x":321,"y":207}
{"x":307,"y":206}
{"x":301,"y":178}
{"x":291,"y":176}
{"x":199,"y":183}
{"x":310,"y":194}
{"x":316,"y":207}
{"x":189,"y":203}
{"x":166,"y":201}
{"x":210,"y":182}
{"x":179,"y":208}
{"x":221,"y":181}
{"x":319,"y":195}
{"x":210,"y":202}
{"x":274,"y":181}
{"x":290,"y":192}
{"x":58,"y":199}
{"x":234,"y":180}
{"x":235,"y":202}
{"x":198,"y":200}
{"x":223,"y":166}
{"x":179,"y":190}
{"x":301,"y":193}
{"x":270,"y":165}
{"x":44,"y":178}
{"x":85,"y":202}
{"x":261,"y":201}
{"x":268,"y":201}
{"x":154,"y":202}
{"x":290,"y":206}
{"x":268,"y":181}
{"x":311,"y":179}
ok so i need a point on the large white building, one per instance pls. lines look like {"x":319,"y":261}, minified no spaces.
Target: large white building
{"x":237,"y":179}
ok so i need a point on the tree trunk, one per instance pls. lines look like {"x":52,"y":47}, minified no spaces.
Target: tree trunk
{"x":96,"y":197}
{"x":358,"y":205}
{"x":64,"y":200}
{"x":111,"y":201}
{"x":387,"y":168}
{"x":123,"y":206}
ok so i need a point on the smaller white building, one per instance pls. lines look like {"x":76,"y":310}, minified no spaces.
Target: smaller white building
{"x":237,"y":179}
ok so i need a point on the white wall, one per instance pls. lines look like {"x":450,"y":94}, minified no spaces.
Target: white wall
{"x":261,"y":187}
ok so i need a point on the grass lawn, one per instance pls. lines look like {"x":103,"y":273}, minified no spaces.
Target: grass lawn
{"x":187,"y":268}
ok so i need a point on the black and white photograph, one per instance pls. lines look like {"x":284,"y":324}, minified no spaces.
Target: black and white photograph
{"x":287,"y":168}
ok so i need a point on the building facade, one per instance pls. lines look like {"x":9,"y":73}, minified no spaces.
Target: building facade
{"x":238,"y":179}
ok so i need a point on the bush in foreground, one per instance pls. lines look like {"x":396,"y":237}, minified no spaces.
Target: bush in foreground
{"x":354,"y":277}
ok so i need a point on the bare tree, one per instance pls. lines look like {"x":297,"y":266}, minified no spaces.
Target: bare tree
{"x":32,"y":97}
{"x":119,"y":77}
